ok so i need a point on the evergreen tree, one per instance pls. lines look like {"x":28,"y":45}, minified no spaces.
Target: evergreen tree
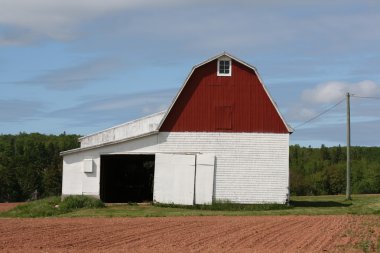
{"x":30,"y":165}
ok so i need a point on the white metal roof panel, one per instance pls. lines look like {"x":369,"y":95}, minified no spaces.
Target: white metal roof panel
{"x":127,"y":130}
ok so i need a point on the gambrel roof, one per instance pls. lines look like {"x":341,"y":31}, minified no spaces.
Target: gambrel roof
{"x":200,"y":65}
{"x":152,"y":124}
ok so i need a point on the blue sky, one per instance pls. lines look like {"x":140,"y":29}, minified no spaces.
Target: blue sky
{"x":82,"y":66}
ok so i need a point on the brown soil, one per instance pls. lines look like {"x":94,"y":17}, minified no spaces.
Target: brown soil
{"x":7,"y":206}
{"x":191,"y":234}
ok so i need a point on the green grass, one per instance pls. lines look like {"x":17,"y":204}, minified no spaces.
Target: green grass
{"x":53,"y":206}
{"x":306,"y":205}
{"x":79,"y":202}
{"x":229,"y":206}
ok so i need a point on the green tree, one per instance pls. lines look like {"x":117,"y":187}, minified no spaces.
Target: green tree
{"x":30,"y":163}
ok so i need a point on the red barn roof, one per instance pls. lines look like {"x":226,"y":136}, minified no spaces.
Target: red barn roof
{"x":211,"y":102}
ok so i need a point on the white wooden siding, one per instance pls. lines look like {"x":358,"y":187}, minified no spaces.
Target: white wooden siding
{"x":249,"y":167}
{"x":174,"y":179}
{"x":73,"y":176}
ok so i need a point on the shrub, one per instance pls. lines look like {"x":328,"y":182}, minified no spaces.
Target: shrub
{"x":77,"y":202}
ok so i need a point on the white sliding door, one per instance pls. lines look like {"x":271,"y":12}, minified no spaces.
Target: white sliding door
{"x":174,"y":176}
{"x":204,"y":179}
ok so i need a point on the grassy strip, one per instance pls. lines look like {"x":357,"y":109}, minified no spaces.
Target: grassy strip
{"x":308,"y":205}
{"x":53,"y":206}
{"x":228,"y":206}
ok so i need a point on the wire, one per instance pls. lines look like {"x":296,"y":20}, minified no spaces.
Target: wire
{"x":320,"y":114}
{"x":352,"y":95}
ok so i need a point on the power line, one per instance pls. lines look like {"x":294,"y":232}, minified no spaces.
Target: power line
{"x":352,"y":95}
{"x":320,"y":114}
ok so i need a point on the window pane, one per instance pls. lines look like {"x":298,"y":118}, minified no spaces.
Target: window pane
{"x":224,"y":67}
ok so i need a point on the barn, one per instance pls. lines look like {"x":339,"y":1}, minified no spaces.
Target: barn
{"x":221,"y":139}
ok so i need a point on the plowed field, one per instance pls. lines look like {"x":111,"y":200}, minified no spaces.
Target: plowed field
{"x":190,"y":234}
{"x":7,"y":206}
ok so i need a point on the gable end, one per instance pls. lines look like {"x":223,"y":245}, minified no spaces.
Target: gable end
{"x":209,"y":102}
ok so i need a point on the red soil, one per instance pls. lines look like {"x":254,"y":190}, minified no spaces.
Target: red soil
{"x":190,"y":234}
{"x":7,"y":206}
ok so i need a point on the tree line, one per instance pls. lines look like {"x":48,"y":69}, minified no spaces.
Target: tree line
{"x":31,"y":167}
{"x":319,"y":171}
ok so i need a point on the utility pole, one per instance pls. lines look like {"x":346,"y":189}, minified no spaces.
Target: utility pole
{"x":348,"y":171}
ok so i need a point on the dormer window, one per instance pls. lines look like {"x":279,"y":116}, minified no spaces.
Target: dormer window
{"x":224,"y":67}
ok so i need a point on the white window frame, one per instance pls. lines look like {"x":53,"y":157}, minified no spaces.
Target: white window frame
{"x":230,"y":69}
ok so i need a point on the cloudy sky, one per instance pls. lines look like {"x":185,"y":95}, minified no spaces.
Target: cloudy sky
{"x":82,"y":66}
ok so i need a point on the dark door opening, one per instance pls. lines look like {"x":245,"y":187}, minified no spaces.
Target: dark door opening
{"x":126,"y":178}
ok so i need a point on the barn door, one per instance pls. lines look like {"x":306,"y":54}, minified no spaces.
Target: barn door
{"x":204,"y":179}
{"x":174,"y":179}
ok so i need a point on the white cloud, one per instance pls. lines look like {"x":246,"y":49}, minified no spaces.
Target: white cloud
{"x":331,"y":92}
{"x":198,"y":22}
{"x":300,"y":113}
{"x":108,"y":110}
{"x":58,"y":19}
{"x":75,"y":77}
{"x":320,"y":99}
{"x":365,"y":88}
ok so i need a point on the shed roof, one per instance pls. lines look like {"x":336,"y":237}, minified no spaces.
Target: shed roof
{"x":124,"y":131}
{"x":130,"y":130}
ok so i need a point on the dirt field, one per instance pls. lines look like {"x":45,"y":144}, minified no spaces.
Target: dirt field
{"x":7,"y":206}
{"x":190,"y":234}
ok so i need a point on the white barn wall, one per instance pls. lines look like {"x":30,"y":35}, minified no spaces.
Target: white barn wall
{"x":72,"y":175}
{"x":76,"y":182}
{"x":249,"y":167}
